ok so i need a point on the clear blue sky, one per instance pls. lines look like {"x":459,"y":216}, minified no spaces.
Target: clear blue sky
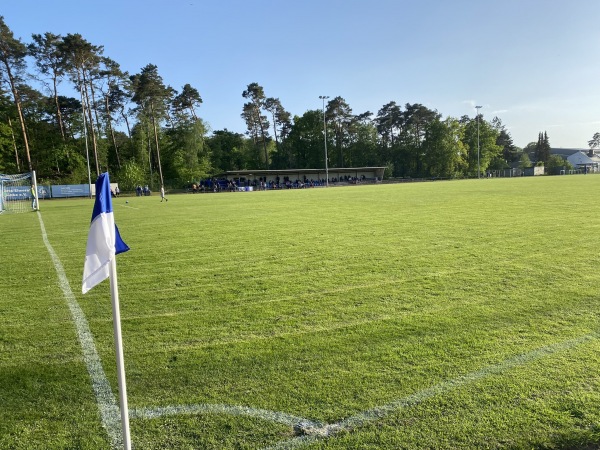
{"x":533,"y":63}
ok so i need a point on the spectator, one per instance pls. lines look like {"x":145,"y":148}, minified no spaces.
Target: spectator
{"x":33,"y":197}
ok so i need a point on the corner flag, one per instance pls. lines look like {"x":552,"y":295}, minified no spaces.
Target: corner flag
{"x":104,"y":240}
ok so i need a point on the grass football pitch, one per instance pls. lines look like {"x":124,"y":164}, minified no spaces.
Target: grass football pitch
{"x":443,"y":315}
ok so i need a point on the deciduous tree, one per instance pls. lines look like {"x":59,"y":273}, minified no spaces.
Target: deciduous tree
{"x":444,"y":150}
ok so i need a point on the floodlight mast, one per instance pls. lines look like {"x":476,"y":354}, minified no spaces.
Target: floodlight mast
{"x":323,"y":97}
{"x":478,"y":167}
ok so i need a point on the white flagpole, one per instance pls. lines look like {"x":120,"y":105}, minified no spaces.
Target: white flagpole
{"x":114,"y":291}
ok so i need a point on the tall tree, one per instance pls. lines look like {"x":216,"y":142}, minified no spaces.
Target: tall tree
{"x":445,"y":153}
{"x":228,"y":150}
{"x":12,"y":73}
{"x":118,"y":100}
{"x":49,"y":61}
{"x":186,"y":153}
{"x":70,"y":111}
{"x":189,"y":154}
{"x":153,"y":98}
{"x":255,"y":119}
{"x":186,"y":102}
{"x":82,"y":60}
{"x":416,"y":119}
{"x":281,"y":119}
{"x":547,"y":147}
{"x":362,"y":146}
{"x":509,"y":150}
{"x":114,"y":79}
{"x":389,"y":122}
{"x":304,"y":144}
{"x":393,"y":141}
{"x":257,"y":124}
{"x":542,"y":148}
{"x":8,"y":141}
{"x":480,"y":139}
{"x":339,"y":114}
{"x":538,"y":147}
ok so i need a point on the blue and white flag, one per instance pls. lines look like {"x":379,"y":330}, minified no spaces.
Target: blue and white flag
{"x":104,"y":241}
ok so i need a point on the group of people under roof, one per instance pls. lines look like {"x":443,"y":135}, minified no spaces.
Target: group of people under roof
{"x":238,"y":184}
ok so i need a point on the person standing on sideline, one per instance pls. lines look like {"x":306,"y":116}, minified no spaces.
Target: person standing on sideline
{"x":33,"y":197}
{"x":162,"y":194}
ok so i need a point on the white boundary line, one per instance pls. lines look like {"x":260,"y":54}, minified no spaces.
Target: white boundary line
{"x":272,"y":416}
{"x":127,"y":206}
{"x":107,"y":403}
{"x":380,"y":412}
{"x":311,"y":431}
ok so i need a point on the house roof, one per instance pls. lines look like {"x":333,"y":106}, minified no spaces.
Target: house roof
{"x":332,"y":171}
{"x":566,"y":152}
{"x":579,"y":157}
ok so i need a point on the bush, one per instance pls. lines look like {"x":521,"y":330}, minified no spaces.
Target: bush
{"x":130,"y":175}
{"x":555,"y":164}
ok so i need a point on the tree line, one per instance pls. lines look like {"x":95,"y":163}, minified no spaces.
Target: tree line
{"x":146,"y":132}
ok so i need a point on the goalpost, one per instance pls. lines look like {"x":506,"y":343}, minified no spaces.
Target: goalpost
{"x":18,"y":193}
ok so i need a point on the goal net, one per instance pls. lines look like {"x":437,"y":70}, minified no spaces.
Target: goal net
{"x":18,"y":193}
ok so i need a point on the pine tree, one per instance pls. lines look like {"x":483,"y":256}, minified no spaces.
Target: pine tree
{"x":545,"y":148}
{"x":542,"y":148}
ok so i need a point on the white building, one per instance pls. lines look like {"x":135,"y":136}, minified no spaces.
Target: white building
{"x":580,"y":158}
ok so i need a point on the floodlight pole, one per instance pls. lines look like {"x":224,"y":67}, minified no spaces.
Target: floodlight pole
{"x":478,"y":167}
{"x":323,"y":97}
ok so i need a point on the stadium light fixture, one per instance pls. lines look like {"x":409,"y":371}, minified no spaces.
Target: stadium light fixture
{"x":478,"y":167}
{"x":323,"y":97}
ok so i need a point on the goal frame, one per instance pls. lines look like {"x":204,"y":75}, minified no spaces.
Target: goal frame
{"x":15,"y":197}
